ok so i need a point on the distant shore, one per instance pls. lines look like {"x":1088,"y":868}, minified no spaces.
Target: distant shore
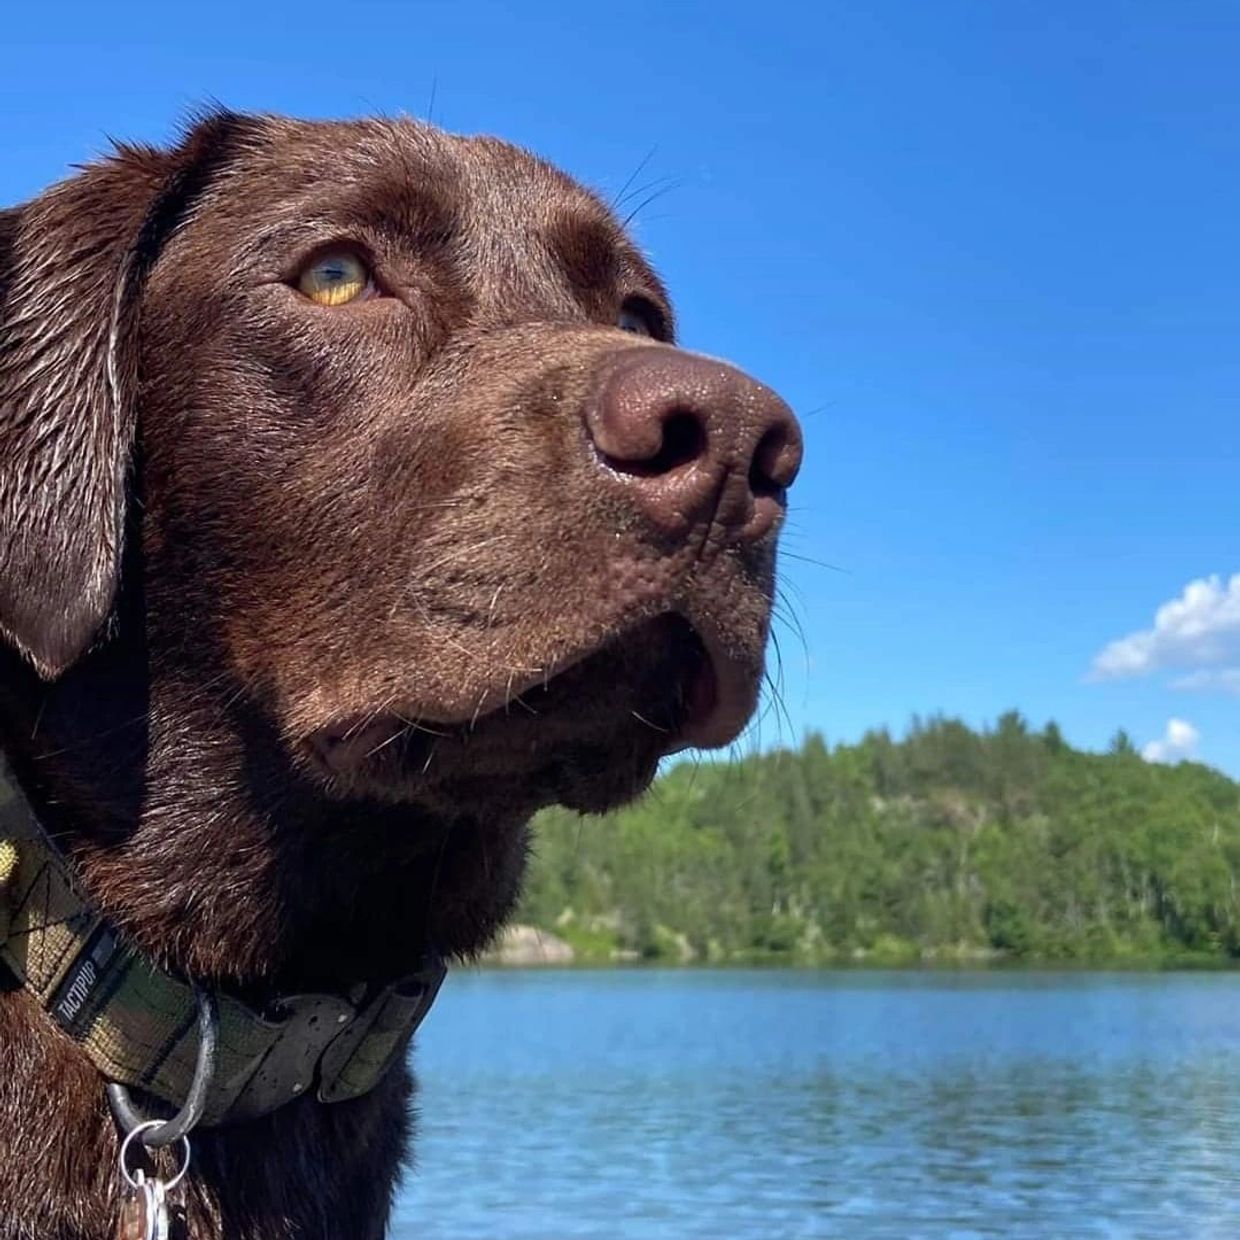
{"x":523,"y":946}
{"x":948,"y":847}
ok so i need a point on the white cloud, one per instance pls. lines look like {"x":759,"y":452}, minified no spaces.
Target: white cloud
{"x":1214,"y":679}
{"x":1177,"y":743}
{"x":1199,"y":629}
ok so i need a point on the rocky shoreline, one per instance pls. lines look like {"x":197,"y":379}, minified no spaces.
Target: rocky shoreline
{"x":521,"y":946}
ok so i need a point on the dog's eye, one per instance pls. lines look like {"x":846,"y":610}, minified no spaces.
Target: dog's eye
{"x":336,"y":278}
{"x":637,"y":315}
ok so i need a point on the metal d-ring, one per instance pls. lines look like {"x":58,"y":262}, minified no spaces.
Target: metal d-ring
{"x":157,"y":1133}
{"x":136,"y":1181}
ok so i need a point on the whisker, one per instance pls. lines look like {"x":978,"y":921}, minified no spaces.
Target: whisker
{"x":457,"y":554}
{"x":618,"y":197}
{"x":645,"y":202}
{"x":782,"y":714}
{"x":416,"y":725}
{"x":786,"y":614}
{"x":370,"y":753}
{"x":817,"y":410}
{"x":697,"y":766}
{"x":777,"y":681}
{"x":646,"y":187}
{"x":499,"y":589}
{"x":784,"y":553}
{"x":473,"y":723}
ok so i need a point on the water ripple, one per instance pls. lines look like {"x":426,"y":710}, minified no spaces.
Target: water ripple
{"x":887,"y":1105}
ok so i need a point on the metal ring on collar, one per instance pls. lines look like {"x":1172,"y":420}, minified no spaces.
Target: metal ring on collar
{"x":158,"y":1133}
{"x":136,"y":1182}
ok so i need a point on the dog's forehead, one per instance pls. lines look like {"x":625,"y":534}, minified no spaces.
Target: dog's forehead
{"x":395,"y":162}
{"x":507,"y":224}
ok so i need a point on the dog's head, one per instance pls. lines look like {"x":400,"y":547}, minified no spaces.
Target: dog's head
{"x":413,"y":469}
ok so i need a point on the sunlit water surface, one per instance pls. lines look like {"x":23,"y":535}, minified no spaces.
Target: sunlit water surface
{"x":739,"y":1104}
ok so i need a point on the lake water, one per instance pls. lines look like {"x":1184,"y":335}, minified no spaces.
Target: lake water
{"x":737,"y":1104}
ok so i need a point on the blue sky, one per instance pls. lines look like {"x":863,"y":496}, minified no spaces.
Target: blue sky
{"x":989,"y":252}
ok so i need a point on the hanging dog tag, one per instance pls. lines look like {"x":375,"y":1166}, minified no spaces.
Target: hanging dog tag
{"x":160,"y":1218}
{"x":135,"y":1217}
{"x":144,"y":1212}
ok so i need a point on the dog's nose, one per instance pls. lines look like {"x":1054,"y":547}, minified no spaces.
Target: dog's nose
{"x":698,"y":441}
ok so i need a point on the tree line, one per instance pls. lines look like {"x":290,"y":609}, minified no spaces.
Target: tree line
{"x":946,"y":844}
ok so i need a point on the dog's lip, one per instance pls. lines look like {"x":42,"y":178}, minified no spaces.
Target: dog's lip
{"x":720,"y":693}
{"x":341,"y":747}
{"x":719,"y":700}
{"x":719,"y":696}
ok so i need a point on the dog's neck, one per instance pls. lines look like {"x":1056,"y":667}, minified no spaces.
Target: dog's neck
{"x":187,"y":830}
{"x":191,"y":832}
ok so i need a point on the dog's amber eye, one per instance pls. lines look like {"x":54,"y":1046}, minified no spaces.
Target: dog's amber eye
{"x":335,"y":279}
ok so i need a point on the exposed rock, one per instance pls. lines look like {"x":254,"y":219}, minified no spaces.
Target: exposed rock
{"x":523,"y":946}
{"x":685,"y":952}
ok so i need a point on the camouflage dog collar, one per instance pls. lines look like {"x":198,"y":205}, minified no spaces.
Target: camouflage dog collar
{"x":137,"y":1023}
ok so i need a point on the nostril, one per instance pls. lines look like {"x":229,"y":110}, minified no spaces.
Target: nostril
{"x":696,"y":444}
{"x":683,"y":441}
{"x":774,"y":464}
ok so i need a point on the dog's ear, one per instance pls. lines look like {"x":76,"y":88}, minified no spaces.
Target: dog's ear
{"x":72,"y":264}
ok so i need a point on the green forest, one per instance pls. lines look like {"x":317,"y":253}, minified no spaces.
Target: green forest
{"x":948,"y":845}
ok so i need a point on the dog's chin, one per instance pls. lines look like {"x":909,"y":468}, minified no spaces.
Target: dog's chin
{"x":589,"y":738}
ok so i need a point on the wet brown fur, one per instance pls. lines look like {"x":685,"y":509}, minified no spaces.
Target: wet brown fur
{"x":232,"y":522}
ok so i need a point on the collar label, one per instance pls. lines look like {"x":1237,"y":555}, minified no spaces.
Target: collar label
{"x":72,"y":1001}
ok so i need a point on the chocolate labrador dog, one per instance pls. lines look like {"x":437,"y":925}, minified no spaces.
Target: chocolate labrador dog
{"x":355,"y":502}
